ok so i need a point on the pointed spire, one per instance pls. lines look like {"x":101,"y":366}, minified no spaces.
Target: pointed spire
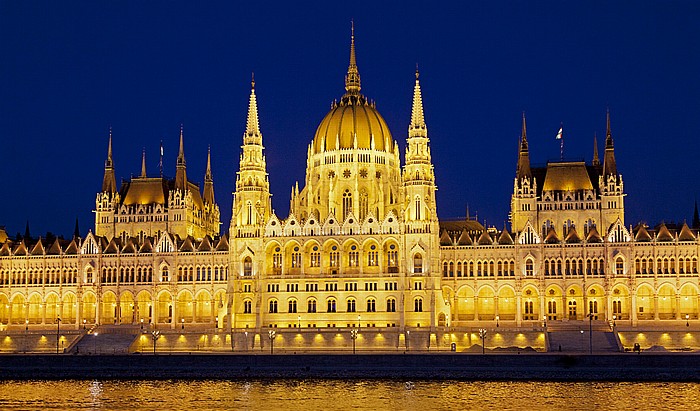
{"x":252,"y":129}
{"x":696,"y":216}
{"x":143,"y":164}
{"x":208,"y":181}
{"x":352,"y":79}
{"x":596,"y":160}
{"x":609,"y":166}
{"x":109,"y":183}
{"x":417,"y":127}
{"x":27,"y":235}
{"x":181,"y":167}
{"x":524,"y":155}
{"x":76,"y":230}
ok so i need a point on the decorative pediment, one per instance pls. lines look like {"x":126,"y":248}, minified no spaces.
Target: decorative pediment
{"x":112,"y":247}
{"x":529,"y":235}
{"x":618,"y":233}
{"x":552,"y":237}
{"x":273,"y":228}
{"x":72,"y":248}
{"x":663,"y":235}
{"x":55,"y":248}
{"x":445,"y":238}
{"x":129,"y":246}
{"x":642,"y":234}
{"x":165,"y":244}
{"x":38,"y":248}
{"x":205,"y":244}
{"x":312,"y":226}
{"x":222,"y":245}
{"x":370,"y":225}
{"x":5,"y":250}
{"x":291,"y":226}
{"x":485,"y":238}
{"x":146,"y":246}
{"x":464,"y":238}
{"x":351,"y":225}
{"x":686,"y":234}
{"x":572,"y":236}
{"x":187,"y":245}
{"x":90,"y":245}
{"x":593,"y":236}
{"x":390,"y":225}
{"x":505,"y":238}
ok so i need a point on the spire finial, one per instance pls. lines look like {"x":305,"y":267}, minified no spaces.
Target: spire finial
{"x":352,"y":79}
{"x":608,"y":133}
{"x":596,"y":159}
{"x":181,"y":152}
{"x":252,"y":80}
{"x":208,"y":175}
{"x":252,"y":126}
{"x":109,"y":147}
{"x":417,"y":127}
{"x":523,"y":135}
{"x":417,"y":72}
{"x":143,"y":163}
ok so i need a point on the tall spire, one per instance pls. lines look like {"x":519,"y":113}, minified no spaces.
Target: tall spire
{"x":524,"y":155}
{"x":596,"y":160}
{"x":143,"y":164}
{"x":181,"y":166}
{"x":609,"y":166}
{"x":208,"y":181}
{"x":696,"y":216}
{"x":109,"y":183}
{"x":76,"y":230}
{"x":352,"y":79}
{"x":252,"y":130}
{"x":417,"y":127}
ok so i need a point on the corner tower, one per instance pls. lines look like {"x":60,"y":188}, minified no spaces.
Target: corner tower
{"x":523,"y":202}
{"x":612,"y":195}
{"x":108,"y":199}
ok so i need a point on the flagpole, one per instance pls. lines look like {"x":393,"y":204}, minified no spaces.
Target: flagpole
{"x":160,"y":164}
{"x":561,"y":142}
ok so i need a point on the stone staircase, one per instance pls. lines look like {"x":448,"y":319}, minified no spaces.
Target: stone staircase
{"x":579,"y":341}
{"x":104,"y":341}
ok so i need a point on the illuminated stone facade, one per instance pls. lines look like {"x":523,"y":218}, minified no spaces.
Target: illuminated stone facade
{"x":361,"y":246}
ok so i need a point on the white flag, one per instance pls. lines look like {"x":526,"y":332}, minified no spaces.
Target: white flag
{"x":560,"y":133}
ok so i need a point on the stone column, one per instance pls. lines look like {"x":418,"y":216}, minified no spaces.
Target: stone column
{"x":476,"y":308}
{"x":656,"y":307}
{"x":43,"y":312}
{"x":455,"y":309}
{"x":518,"y":311}
{"x":633,"y":307}
{"x":495,"y":307}
{"x":678,"y":306}
{"x":608,"y":306}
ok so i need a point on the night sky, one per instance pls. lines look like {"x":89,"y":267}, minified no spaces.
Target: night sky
{"x":70,"y":70}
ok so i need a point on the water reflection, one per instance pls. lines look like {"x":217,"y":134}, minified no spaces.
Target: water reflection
{"x":356,"y":394}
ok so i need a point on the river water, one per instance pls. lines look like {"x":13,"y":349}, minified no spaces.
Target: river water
{"x":338,"y":394}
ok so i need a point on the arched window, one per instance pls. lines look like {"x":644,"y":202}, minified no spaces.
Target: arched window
{"x":391,"y":305}
{"x":292,"y":306}
{"x":249,"y":213}
{"x":273,"y":306}
{"x":331,"y":305}
{"x":418,"y":305}
{"x":619,"y":266}
{"x":347,"y":203}
{"x":311,"y":306}
{"x":371,"y":305}
{"x":88,"y":275}
{"x":351,"y":305}
{"x":247,"y":307}
{"x":529,"y":268}
{"x":418,"y":208}
{"x":164,"y":274}
{"x":418,"y":263}
{"x":277,"y":261}
{"x":247,"y":266}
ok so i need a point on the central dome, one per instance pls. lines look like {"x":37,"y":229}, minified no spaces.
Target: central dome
{"x":352,"y":123}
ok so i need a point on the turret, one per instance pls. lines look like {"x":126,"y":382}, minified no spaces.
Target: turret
{"x":208,"y":181}
{"x":523,"y":202}
{"x":109,"y":182}
{"x":181,"y":168}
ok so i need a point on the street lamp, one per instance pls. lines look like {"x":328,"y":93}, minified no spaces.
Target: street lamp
{"x":183,"y":323}
{"x":408,"y":340}
{"x":614,"y":319}
{"x":85,"y":324}
{"x":272,"y":334}
{"x":94,"y":341}
{"x":298,"y":321}
{"x":216,"y":323}
{"x":497,"y":318}
{"x":687,"y":317}
{"x":26,"y":325}
{"x":58,"y":332}
{"x":141,"y":324}
{"x":353,"y":337}
{"x":359,"y":319}
{"x":246,"y":340}
{"x":544,"y":322}
{"x":154,"y":335}
{"x":482,"y":334}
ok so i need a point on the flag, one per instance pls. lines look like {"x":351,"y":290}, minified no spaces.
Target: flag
{"x":560,"y":133}
{"x":161,"y":148}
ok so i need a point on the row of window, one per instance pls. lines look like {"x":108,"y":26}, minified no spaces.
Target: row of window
{"x":666,"y":265}
{"x":333,"y":286}
{"x":478,"y":269}
{"x":38,"y":277}
{"x":331,"y":305}
{"x":574,"y":267}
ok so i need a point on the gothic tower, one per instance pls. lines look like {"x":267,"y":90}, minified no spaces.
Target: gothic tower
{"x":108,"y":199}
{"x":610,"y":182}
{"x":523,"y":202}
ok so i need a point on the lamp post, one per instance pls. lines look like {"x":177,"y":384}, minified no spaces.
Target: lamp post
{"x":141,"y":324}
{"x":94,"y":341}
{"x":353,"y":337}
{"x":298,"y":321}
{"x":154,"y":335}
{"x":26,"y":331}
{"x":482,"y":335}
{"x":246,"y":340}
{"x":216,"y":324}
{"x":614,"y":321}
{"x":58,"y":332}
{"x":85,"y":324}
{"x":544,"y":322}
{"x":272,"y":334}
{"x":497,"y":318}
{"x":687,"y":317}
{"x":408,"y":340}
{"x":183,"y":323}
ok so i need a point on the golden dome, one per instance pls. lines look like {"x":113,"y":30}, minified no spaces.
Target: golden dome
{"x":354,"y":118}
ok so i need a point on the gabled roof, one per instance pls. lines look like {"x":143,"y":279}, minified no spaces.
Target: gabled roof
{"x":485,"y":238}
{"x":572,"y":236}
{"x":663,"y":235}
{"x":222,"y":245}
{"x":129,"y":246}
{"x":593,"y":236}
{"x":552,"y":237}
{"x":205,"y":244}
{"x":72,"y":248}
{"x":38,"y":248}
{"x":5,"y":250}
{"x":445,"y":238}
{"x":55,"y":248}
{"x":686,"y":234}
{"x":642,"y":234}
{"x":505,"y":238}
{"x":147,"y":246}
{"x":187,"y":245}
{"x":112,"y":247}
{"x":21,"y":249}
{"x":464,"y":238}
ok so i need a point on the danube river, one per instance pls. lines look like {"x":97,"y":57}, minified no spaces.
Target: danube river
{"x":352,"y":394}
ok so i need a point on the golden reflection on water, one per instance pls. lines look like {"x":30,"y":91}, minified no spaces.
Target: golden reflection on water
{"x":338,"y":394}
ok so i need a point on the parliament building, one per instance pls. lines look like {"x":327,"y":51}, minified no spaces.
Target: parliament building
{"x":362,"y":245}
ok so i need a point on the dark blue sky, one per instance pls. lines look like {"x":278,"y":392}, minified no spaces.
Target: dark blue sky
{"x":70,"y":70}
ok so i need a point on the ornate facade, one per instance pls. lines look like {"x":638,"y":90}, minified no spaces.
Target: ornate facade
{"x":361,"y":246}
